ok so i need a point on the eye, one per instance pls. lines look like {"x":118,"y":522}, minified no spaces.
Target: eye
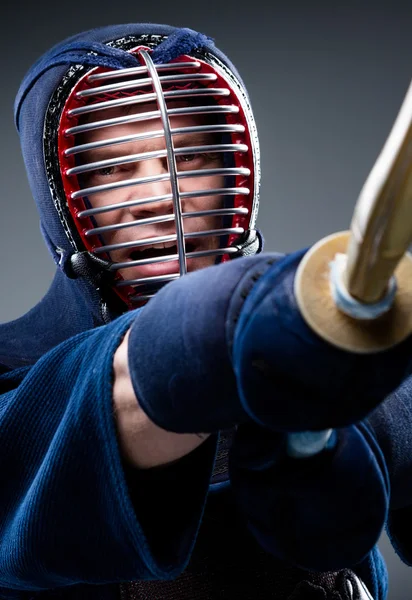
{"x":114,"y":172}
{"x":102,"y":175}
{"x":198,"y":159}
{"x":105,"y":171}
{"x":187,"y":157}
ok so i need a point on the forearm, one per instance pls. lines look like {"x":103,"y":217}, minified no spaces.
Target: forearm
{"x":142,"y":442}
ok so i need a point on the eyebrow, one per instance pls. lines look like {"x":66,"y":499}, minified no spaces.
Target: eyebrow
{"x":196,"y":139}
{"x":179,"y":141}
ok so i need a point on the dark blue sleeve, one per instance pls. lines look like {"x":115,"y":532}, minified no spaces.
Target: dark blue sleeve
{"x":71,"y":511}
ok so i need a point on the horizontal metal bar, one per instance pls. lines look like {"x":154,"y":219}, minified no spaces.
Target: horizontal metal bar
{"x":169,"y":238}
{"x":146,"y":280}
{"x":136,"y":83}
{"x":150,"y":115}
{"x":106,"y":187}
{"x":143,"y":69}
{"x":124,"y":139}
{"x":130,"y":158}
{"x":243,"y":191}
{"x":113,"y":162}
{"x":159,"y":279}
{"x":171,"y":258}
{"x":242,"y":210}
{"x":163,"y":239}
{"x":119,"y":226}
{"x":149,"y":97}
{"x":110,"y":207}
{"x":144,"y":261}
{"x":97,"y":189}
{"x":165,"y":219}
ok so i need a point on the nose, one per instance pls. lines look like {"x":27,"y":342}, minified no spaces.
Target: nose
{"x":159,"y":190}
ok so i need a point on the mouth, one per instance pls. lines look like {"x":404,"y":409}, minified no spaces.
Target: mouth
{"x":154,"y":263}
{"x":159,"y":251}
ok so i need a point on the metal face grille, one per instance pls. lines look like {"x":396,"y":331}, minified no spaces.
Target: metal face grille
{"x":157,"y":168}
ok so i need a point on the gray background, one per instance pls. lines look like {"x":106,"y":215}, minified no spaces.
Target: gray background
{"x":326,"y":81}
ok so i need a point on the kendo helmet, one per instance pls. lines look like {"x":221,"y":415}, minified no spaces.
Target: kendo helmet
{"x":195,"y":81}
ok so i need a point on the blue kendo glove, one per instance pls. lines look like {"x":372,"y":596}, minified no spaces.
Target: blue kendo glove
{"x":288,"y":378}
{"x":320,"y":513}
{"x":226,"y":344}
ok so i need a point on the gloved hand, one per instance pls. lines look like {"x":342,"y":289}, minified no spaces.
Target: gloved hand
{"x":321,"y":513}
{"x":226,"y":344}
{"x":288,"y":378}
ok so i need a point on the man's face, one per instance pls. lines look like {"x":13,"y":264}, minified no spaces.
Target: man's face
{"x":152,"y":166}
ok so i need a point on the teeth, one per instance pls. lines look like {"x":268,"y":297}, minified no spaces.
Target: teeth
{"x":160,"y":246}
{"x":169,"y":247}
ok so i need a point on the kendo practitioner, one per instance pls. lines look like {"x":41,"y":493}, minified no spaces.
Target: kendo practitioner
{"x":171,"y":426}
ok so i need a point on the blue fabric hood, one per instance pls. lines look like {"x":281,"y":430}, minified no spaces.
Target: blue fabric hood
{"x":72,"y":305}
